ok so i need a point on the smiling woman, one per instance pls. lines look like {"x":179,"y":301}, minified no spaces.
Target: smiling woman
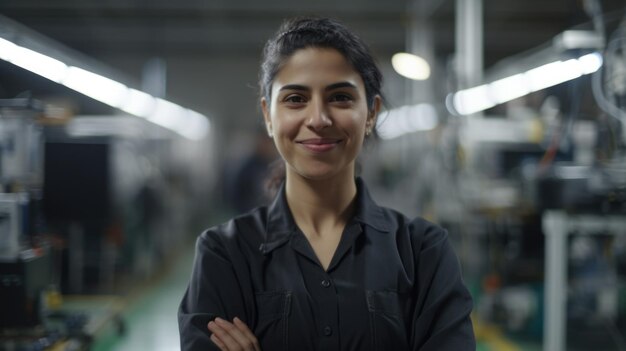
{"x":323,"y":267}
{"x":318,"y":115}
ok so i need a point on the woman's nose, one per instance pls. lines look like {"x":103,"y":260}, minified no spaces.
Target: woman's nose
{"x":319,"y":117}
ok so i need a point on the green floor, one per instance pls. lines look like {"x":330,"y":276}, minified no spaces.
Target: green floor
{"x":151,"y":316}
{"x":151,"y":322}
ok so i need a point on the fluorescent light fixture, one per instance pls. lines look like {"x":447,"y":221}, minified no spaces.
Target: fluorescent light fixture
{"x":553,"y":74}
{"x":407,"y":119}
{"x":473,"y":100}
{"x":485,"y":96}
{"x":543,"y":76}
{"x":590,"y":62}
{"x":138,"y":103}
{"x":194,"y":126}
{"x":167,"y":114}
{"x":188,"y":123}
{"x":185,"y":122}
{"x":33,"y":61}
{"x":509,"y":88}
{"x":410,"y":66}
{"x":96,"y":86}
{"x":7,"y":49}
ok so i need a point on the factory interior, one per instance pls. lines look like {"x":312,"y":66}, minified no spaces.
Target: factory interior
{"x":129,"y":127}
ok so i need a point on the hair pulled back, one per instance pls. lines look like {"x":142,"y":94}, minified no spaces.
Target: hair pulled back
{"x":300,"y":33}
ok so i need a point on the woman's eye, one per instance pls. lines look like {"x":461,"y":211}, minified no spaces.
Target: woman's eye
{"x":341,"y":98}
{"x":296,"y":99}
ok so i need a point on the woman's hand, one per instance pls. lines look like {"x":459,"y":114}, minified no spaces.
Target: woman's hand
{"x":234,"y":336}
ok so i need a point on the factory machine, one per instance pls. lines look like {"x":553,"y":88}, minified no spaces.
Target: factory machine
{"x":532,"y":188}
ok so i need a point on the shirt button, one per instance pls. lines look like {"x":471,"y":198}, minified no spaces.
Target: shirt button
{"x":325,"y":283}
{"x":328,"y":331}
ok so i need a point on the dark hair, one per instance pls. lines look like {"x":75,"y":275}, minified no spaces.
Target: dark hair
{"x":300,"y":33}
{"x":305,"y":32}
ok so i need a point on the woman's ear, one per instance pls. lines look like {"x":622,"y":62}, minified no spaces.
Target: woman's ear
{"x":266,"y":117}
{"x":373,"y":115}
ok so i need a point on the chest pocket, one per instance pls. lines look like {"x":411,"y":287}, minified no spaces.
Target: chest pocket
{"x":272,"y":327}
{"x":387,"y":327}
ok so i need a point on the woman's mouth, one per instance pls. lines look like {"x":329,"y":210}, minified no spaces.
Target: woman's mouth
{"x":319,"y":145}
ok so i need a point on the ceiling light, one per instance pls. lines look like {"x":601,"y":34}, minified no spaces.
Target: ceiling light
{"x":7,"y":49}
{"x":166,"y":114}
{"x":553,"y":74}
{"x":509,"y":88}
{"x":96,"y":86}
{"x":411,"y":66}
{"x":407,"y":119}
{"x":590,"y":63}
{"x":485,"y":96}
{"x":138,"y":103}
{"x":186,"y":122}
{"x":33,"y":61}
{"x":473,"y":100}
{"x":194,"y":126}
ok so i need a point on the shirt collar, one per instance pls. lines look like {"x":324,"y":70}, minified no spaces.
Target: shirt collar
{"x":367,"y":211}
{"x":280,"y":222}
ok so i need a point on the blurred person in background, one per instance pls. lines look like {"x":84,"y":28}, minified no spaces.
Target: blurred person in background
{"x":323,"y":267}
{"x":245,"y":187}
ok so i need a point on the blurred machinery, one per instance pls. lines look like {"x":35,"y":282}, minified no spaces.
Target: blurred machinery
{"x":572,"y":180}
{"x":533,"y":192}
{"x":24,"y":262}
{"x":89,"y":204}
{"x":82,"y":204}
{"x":563,"y":184}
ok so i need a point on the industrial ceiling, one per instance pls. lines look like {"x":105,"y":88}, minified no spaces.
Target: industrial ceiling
{"x":126,"y":33}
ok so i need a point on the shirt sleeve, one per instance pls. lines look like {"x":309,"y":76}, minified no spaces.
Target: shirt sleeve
{"x":441,"y":318}
{"x":214,"y":291}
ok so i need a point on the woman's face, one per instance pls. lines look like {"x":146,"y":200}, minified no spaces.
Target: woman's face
{"x":318,"y":113}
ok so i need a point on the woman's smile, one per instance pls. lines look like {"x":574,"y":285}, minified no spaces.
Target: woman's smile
{"x":319,"y":145}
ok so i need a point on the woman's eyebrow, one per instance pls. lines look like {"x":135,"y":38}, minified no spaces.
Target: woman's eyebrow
{"x":330,"y":87}
{"x":294,"y":87}
{"x":340,"y":85}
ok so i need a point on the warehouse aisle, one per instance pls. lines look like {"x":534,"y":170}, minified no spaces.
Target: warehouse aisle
{"x":150,"y":317}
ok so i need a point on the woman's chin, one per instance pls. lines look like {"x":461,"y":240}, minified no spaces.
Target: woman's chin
{"x":321,"y":172}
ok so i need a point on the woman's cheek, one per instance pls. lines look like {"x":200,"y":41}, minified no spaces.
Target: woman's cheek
{"x":287,"y":126}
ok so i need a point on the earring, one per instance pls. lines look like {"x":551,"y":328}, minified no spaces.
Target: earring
{"x":369,"y":126}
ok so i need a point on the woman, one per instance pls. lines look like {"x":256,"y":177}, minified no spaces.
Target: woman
{"x":323,"y":267}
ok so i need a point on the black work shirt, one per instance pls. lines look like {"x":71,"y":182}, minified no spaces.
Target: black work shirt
{"x":392,"y":284}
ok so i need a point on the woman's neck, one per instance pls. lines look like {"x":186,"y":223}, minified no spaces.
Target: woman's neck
{"x":321,"y":206}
